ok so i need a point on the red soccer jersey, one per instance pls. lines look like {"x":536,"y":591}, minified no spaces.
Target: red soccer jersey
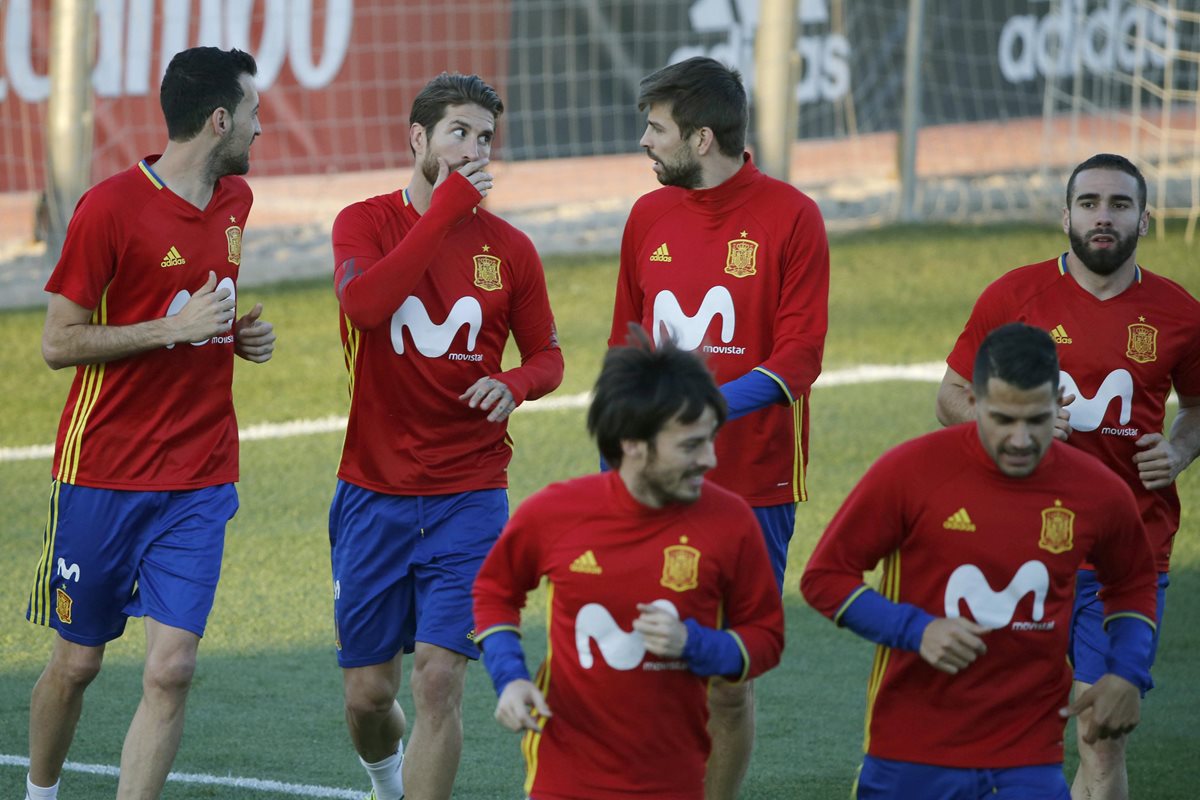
{"x":627,"y":722}
{"x":462,"y":278}
{"x":163,"y":419}
{"x":741,"y":272}
{"x":958,"y":538}
{"x":1130,"y":349}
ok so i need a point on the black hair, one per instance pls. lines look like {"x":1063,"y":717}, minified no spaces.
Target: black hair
{"x":641,"y":388}
{"x":702,"y":93}
{"x":1018,"y":354}
{"x":198,"y":82}
{"x":430,"y":104}
{"x":1113,"y":162}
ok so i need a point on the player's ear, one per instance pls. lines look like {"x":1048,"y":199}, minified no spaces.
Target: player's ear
{"x":416,"y":137}
{"x":1144,"y":223}
{"x":633,"y":450}
{"x":706,"y":140}
{"x":1066,"y":220}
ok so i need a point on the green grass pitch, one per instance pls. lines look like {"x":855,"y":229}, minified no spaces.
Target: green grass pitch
{"x":267,"y":698}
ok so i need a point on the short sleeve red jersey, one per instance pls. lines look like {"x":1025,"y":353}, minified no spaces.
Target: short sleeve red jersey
{"x":959,"y":538}
{"x":627,"y":722}
{"x":1119,"y":357}
{"x":163,"y":419}
{"x":408,"y":432}
{"x":740,"y":272}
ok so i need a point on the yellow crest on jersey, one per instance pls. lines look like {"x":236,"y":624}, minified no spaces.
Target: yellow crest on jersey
{"x":487,"y":273}
{"x":1143,"y":343}
{"x":681,"y":567}
{"x":742,"y":258}
{"x":1058,"y":529}
{"x":63,"y":607}
{"x":233,"y":237}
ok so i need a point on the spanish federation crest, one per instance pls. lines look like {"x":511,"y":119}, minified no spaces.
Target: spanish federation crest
{"x":741,"y":259}
{"x":1143,"y":342}
{"x":63,"y":606}
{"x":681,"y":567}
{"x":233,"y":237}
{"x":1058,"y":529}
{"x":487,"y":273}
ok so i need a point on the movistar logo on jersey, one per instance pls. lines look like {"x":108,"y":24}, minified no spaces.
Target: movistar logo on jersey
{"x":1088,"y":412}
{"x":688,"y":330}
{"x":181,"y":299}
{"x":619,"y":648}
{"x":433,"y":340}
{"x":995,"y":609}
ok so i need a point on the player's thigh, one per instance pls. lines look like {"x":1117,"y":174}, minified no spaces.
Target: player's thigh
{"x":87,"y":571}
{"x":777,"y":523}
{"x":180,"y":564}
{"x":372,"y":539}
{"x":459,"y":531}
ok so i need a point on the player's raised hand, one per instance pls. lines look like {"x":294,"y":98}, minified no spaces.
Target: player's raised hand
{"x":1110,"y":708}
{"x":664,"y":634}
{"x":516,"y":701}
{"x":951,"y":644}
{"x":254,"y":338}
{"x":1062,"y":424}
{"x":207,"y":313}
{"x":1158,"y":463}
{"x":489,"y":394}
{"x":473,"y":171}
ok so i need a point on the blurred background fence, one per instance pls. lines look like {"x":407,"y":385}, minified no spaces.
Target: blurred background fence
{"x":914,"y":110}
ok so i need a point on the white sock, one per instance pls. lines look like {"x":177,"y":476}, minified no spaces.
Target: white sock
{"x":33,"y":792}
{"x":385,"y":776}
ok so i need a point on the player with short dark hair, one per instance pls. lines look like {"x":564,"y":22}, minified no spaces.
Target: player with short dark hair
{"x":735,"y":264}
{"x":430,"y":287}
{"x":657,"y":580}
{"x":142,"y":304}
{"x":981,"y":529}
{"x":1123,"y":334}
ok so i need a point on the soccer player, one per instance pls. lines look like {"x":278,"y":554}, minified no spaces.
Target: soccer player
{"x":657,"y":577}
{"x":142,"y":304}
{"x":1123,"y":334}
{"x":736,"y":264}
{"x":430,"y":287}
{"x":981,"y":529}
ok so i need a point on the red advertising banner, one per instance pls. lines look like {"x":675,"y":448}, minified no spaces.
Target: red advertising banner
{"x":336,"y":77}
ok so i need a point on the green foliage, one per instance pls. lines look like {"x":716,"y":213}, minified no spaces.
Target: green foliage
{"x":267,"y":698}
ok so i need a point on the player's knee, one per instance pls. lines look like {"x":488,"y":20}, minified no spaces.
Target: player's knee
{"x":170,"y":674}
{"x":76,"y":670}
{"x":437,"y":685}
{"x":730,"y":699}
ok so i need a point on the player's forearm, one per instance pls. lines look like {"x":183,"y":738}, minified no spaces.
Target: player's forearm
{"x":874,"y":617}
{"x":88,"y":343}
{"x":502,"y":656}
{"x":539,"y":374}
{"x":369,"y":298}
{"x":1130,"y":644}
{"x":1185,"y":435}
{"x":752,"y":392}
{"x":953,"y":404}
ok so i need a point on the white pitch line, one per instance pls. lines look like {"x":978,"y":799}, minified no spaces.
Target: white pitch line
{"x":929,"y":372}
{"x":294,"y":789}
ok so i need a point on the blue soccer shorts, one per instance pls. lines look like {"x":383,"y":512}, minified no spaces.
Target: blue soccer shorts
{"x":777,"y":524}
{"x":1089,"y":641}
{"x":108,"y":555}
{"x":883,"y":779}
{"x":403,"y":568}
